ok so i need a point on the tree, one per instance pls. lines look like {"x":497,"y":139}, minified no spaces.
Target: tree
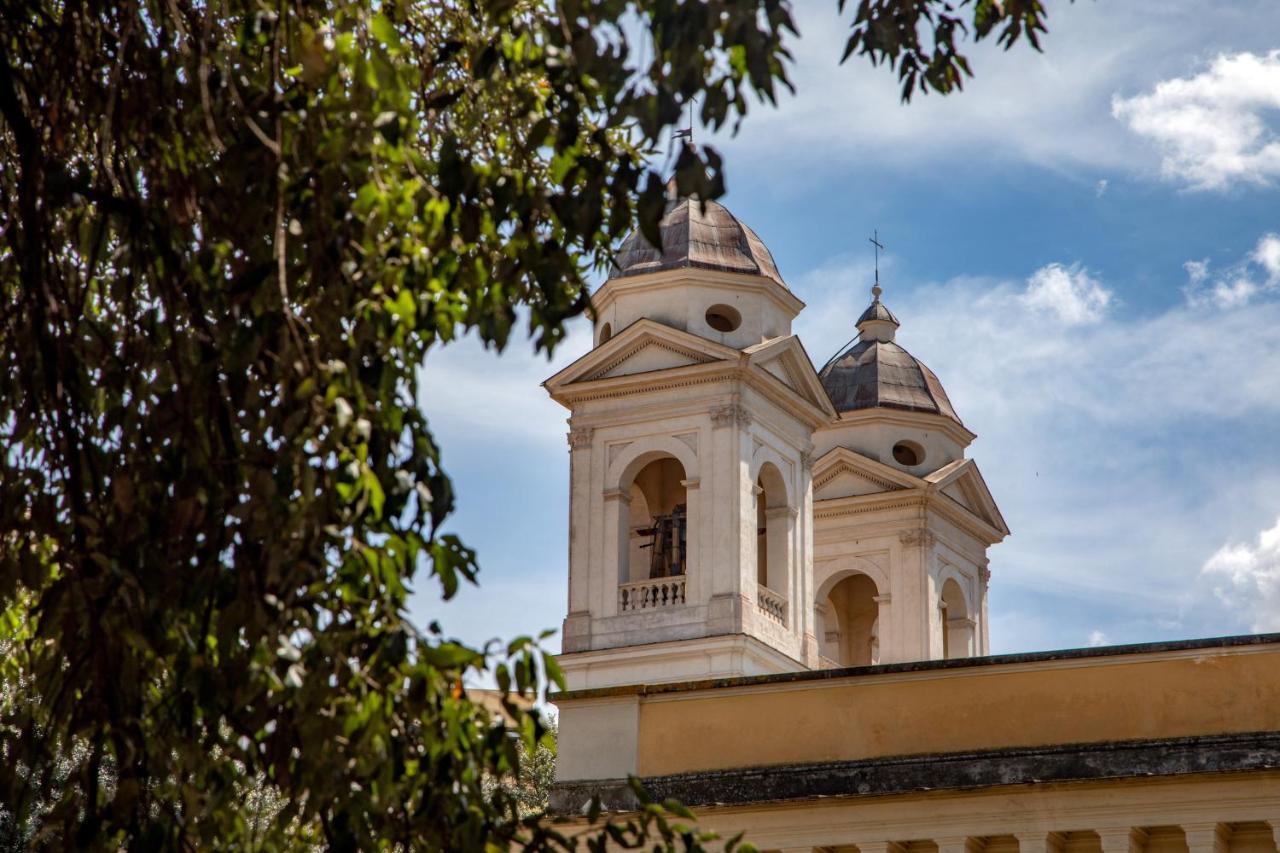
{"x":232,"y":231}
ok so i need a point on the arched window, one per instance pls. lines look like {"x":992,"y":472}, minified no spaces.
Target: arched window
{"x":773,"y":522}
{"x":657,"y":522}
{"x":848,"y":622}
{"x":957,"y":624}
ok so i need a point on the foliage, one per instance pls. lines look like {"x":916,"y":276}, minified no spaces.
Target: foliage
{"x":919,"y":38}
{"x":531,"y":785}
{"x":232,"y":231}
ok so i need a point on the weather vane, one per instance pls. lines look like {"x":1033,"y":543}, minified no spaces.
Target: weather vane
{"x":686,"y":132}
{"x":875,"y":241}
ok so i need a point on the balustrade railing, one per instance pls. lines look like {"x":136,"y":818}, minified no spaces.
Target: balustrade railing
{"x":651,"y":594}
{"x":771,"y":604}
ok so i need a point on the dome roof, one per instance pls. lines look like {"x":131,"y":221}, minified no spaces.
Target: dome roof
{"x":697,"y":234}
{"x":876,"y":372}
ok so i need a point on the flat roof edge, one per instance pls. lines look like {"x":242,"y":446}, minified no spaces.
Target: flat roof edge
{"x":1232,"y":641}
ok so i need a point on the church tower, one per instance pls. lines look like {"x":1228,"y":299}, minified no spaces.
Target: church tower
{"x":734,"y":512}
{"x":902,"y":519}
{"x":691,"y":439}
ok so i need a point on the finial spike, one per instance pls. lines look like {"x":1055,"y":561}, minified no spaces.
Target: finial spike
{"x":875,"y":241}
{"x":686,"y":132}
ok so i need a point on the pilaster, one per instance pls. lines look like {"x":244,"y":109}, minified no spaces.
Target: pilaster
{"x":1122,"y":839}
{"x":1206,"y":837}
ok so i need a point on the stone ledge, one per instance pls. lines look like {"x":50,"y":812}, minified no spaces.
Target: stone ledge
{"x":1234,"y":641}
{"x":1259,"y":751}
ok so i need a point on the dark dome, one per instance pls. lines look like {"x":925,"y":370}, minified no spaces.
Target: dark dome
{"x":875,"y":373}
{"x":697,"y":234}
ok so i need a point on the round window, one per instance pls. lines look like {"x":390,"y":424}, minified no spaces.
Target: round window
{"x":908,"y":453}
{"x":722,"y":318}
{"x":606,"y":332}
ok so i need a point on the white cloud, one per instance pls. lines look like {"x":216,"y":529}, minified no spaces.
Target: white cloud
{"x":1068,"y":293}
{"x":1215,"y":130}
{"x":1097,"y":638}
{"x":1084,"y":439}
{"x":1100,"y":188}
{"x":1247,"y":578}
{"x":1267,"y":255}
{"x":1239,"y":283}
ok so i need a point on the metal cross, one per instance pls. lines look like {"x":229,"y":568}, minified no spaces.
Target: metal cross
{"x":686,"y":132}
{"x":875,"y":241}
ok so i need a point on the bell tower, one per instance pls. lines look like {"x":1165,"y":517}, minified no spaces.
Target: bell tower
{"x":902,"y":519}
{"x":690,"y":444}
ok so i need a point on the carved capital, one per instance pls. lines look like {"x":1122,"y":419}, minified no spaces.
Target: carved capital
{"x":984,"y":575}
{"x":580,"y":437}
{"x":914,"y":538}
{"x":730,"y":414}
{"x":806,"y":460}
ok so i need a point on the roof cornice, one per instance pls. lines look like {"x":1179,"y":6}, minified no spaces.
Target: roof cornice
{"x":664,"y":279}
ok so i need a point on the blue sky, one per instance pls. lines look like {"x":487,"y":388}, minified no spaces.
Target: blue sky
{"x":1083,"y":245}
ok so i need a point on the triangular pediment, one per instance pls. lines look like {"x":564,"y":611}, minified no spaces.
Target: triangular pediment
{"x":843,"y":473}
{"x":785,"y":360}
{"x":645,"y":346}
{"x":962,"y":482}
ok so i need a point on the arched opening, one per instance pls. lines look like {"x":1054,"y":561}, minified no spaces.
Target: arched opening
{"x":849,"y":622}
{"x":957,"y":624}
{"x":773,"y":519}
{"x":606,"y":332}
{"x":657,"y":522}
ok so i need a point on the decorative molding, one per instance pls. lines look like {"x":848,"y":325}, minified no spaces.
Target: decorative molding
{"x":690,"y":439}
{"x":913,"y":538}
{"x":832,"y":474}
{"x":781,"y":512}
{"x":729,"y":414}
{"x":830,"y":508}
{"x":580,"y":437}
{"x":692,"y":483}
{"x":616,"y":449}
{"x":887,"y":598}
{"x":617,"y":495}
{"x":806,"y":460}
{"x":984,"y":575}
{"x":756,"y":444}
{"x":642,"y":344}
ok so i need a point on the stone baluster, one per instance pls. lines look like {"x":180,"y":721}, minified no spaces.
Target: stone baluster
{"x":1206,"y":837}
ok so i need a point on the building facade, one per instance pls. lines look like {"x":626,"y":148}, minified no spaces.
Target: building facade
{"x":778,"y":600}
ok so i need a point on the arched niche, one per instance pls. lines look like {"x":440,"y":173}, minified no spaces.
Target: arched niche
{"x":848,"y":619}
{"x":773,"y":530}
{"x":957,"y":621}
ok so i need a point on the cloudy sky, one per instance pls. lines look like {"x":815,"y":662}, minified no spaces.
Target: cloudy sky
{"x":1084,"y":245}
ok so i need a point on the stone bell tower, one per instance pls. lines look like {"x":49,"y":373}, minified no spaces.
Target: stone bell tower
{"x":902,"y":519}
{"x":691,"y":529}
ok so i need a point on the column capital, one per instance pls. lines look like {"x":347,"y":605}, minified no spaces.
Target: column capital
{"x":580,"y":438}
{"x":1206,"y":837}
{"x":1039,"y":842}
{"x":729,"y":414}
{"x":914,"y":538}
